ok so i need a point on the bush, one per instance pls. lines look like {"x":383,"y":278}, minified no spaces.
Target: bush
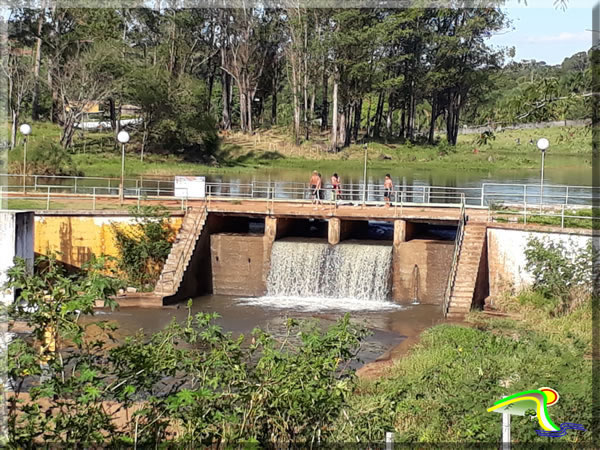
{"x":560,"y":271}
{"x":144,"y":247}
{"x":43,"y":158}
{"x":191,"y":379}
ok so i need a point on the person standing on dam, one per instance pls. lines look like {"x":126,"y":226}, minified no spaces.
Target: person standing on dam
{"x":336,"y":187}
{"x":388,"y":187}
{"x":315,"y":186}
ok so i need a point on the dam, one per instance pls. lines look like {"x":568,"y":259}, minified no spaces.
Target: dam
{"x":433,"y":248}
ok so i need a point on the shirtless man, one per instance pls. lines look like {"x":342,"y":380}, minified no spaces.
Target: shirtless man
{"x":388,"y":187}
{"x":336,"y":187}
{"x":315,"y":186}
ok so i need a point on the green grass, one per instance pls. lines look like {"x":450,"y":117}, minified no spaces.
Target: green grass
{"x":96,"y":155}
{"x":582,"y":219}
{"x":440,"y":392}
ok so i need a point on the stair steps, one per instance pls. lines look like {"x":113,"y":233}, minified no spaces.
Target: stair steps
{"x":181,"y":252}
{"x":469,"y":258}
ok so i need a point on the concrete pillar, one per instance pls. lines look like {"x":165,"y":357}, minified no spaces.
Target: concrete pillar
{"x":333,"y":231}
{"x":403,"y":231}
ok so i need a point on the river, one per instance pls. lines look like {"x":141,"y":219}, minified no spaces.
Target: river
{"x":389,"y":325}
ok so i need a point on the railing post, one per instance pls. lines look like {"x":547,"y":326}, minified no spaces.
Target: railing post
{"x":76,"y":185}
{"x":567,"y":196}
{"x":525,"y":212}
{"x":48,"y":200}
{"x":138,"y":197}
{"x":35,"y":183}
{"x":158,"y":189}
{"x":482,"y":193}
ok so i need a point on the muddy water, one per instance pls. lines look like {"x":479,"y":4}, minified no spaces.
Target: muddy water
{"x":389,"y":327}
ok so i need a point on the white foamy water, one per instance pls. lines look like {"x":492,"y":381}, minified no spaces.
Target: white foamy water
{"x":317,"y":304}
{"x":313,"y":276}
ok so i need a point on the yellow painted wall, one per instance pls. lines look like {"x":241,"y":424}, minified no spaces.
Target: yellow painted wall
{"x":78,"y":237}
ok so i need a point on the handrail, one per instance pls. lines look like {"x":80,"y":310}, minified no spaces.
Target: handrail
{"x":177,"y":272}
{"x":454,"y":267}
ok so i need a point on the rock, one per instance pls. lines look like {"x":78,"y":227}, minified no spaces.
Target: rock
{"x":131,"y":290}
{"x":121,"y":292}
{"x":382,"y":157}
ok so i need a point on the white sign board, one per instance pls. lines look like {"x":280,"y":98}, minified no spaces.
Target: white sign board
{"x":190,"y":187}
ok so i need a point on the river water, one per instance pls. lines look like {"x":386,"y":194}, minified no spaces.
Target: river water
{"x":572,"y":172}
{"x":390,"y":324}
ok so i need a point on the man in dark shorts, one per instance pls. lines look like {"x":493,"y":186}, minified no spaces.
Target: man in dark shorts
{"x":388,"y":187}
{"x":315,"y":186}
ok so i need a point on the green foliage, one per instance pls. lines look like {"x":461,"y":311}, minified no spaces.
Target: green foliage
{"x":144,"y":246}
{"x":191,"y":378}
{"x":485,"y":138}
{"x":43,"y":158}
{"x":561,"y":271}
{"x":440,"y":392}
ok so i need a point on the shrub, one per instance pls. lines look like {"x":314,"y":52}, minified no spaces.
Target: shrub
{"x":560,"y":271}
{"x":144,"y":246}
{"x":191,"y":379}
{"x":44,"y":158}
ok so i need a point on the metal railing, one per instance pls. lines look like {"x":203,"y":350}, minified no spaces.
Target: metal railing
{"x":173,"y":276}
{"x":460,"y":232}
{"x":489,"y":195}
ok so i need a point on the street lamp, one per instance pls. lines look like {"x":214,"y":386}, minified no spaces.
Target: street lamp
{"x":123,"y":138}
{"x":25,"y":130}
{"x":365,"y":147}
{"x":543,"y":145}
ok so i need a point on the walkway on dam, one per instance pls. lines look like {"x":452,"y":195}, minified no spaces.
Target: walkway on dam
{"x":356,"y":212}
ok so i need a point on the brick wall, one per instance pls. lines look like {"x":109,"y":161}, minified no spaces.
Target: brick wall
{"x":237,"y":264}
{"x":434,"y":259}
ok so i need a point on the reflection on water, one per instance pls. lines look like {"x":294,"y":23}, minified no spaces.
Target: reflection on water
{"x":239,"y":316}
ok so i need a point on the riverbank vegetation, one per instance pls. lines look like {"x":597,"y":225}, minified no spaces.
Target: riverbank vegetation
{"x":192,"y":384}
{"x":143,"y":246}
{"x":274,"y":149}
{"x":331,"y":80}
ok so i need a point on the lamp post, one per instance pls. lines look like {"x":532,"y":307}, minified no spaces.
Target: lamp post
{"x":123,"y":138}
{"x":543,"y":145}
{"x":25,"y":130}
{"x":365,"y":147}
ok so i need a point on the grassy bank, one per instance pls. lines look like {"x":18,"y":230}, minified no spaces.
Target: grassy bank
{"x":95,"y":154}
{"x":441,"y":391}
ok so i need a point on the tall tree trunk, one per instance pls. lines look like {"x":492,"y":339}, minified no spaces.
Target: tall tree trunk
{"x":113,"y":115}
{"x":211,"y":82}
{"x":225,"y":93}
{"x":357,"y":119}
{"x":334,"y":120}
{"x":13,"y":128}
{"x":411,"y":113}
{"x":369,"y":116}
{"x":453,"y":112}
{"x":378,"y":115}
{"x":402,"y":121}
{"x":348,"y":114}
{"x":342,"y":128}
{"x":243,"y":106}
{"x":388,"y":119}
{"x":249,"y":99}
{"x":35,"y":113}
{"x":431,"y":136}
{"x":325,"y":104}
{"x":274,"y":86}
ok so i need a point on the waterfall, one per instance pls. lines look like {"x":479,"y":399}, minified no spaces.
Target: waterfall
{"x":355,"y":273}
